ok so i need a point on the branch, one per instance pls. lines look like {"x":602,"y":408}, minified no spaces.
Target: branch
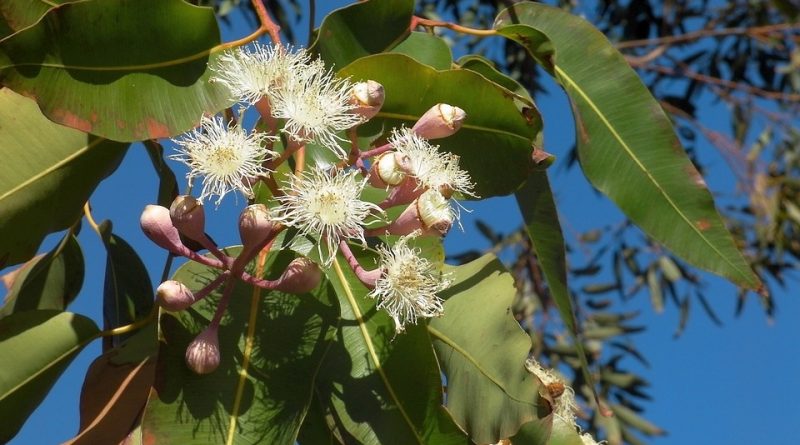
{"x":756,"y":31}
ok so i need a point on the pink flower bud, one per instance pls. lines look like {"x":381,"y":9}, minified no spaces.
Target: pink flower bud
{"x":157,"y":225}
{"x":439,"y":121}
{"x":174,"y":296}
{"x":188,"y":217}
{"x":388,"y":169}
{"x":430,"y":214}
{"x":301,"y":275}
{"x":256,"y":227}
{"x":202,"y":354}
{"x":368,"y":97}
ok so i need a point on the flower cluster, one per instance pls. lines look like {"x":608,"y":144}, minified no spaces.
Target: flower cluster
{"x":296,"y":95}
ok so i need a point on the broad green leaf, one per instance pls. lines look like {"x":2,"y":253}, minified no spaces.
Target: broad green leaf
{"x":272,"y":344}
{"x":119,"y":69}
{"x":382,"y":388}
{"x":41,"y":344}
{"x":427,"y":49}
{"x":127,"y":291}
{"x":49,"y":282}
{"x":535,"y":200}
{"x":482,"y":350}
{"x":627,"y":146}
{"x":495,"y":141}
{"x":362,"y":29}
{"x":47,"y":174}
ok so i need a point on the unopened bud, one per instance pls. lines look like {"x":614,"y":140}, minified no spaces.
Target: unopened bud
{"x":541,"y":159}
{"x":368,"y":97}
{"x":188,"y":217}
{"x":387,"y":170}
{"x":256,"y":226}
{"x":439,"y":121}
{"x":435,"y":212}
{"x":202,"y":354}
{"x":301,"y":275}
{"x":157,"y":225}
{"x":174,"y":296}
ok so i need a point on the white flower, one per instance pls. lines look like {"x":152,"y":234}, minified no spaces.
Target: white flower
{"x":251,"y":74}
{"x":408,"y":285}
{"x":432,"y":168}
{"x":326,"y":204}
{"x":224,"y":155}
{"x":316,"y":105}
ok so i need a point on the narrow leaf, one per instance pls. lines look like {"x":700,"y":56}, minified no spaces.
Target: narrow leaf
{"x":42,"y":343}
{"x":626,"y":143}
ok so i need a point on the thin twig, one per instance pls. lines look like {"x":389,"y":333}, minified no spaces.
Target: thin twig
{"x":419,"y":21}
{"x":703,"y":33}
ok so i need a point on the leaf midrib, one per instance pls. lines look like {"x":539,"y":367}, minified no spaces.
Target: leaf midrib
{"x":51,"y":169}
{"x":562,"y":74}
{"x":371,"y":348}
{"x":464,"y":353}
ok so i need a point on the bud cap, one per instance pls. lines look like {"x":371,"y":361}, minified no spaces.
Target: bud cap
{"x":202,"y":354}
{"x":440,"y":121}
{"x":174,"y":296}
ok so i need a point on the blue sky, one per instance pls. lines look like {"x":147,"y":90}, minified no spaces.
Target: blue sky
{"x":734,"y":384}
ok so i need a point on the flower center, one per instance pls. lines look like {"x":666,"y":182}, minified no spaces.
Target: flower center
{"x":329,"y":207}
{"x":224,"y":160}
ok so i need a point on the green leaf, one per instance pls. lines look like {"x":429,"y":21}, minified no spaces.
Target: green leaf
{"x":535,"y":200}
{"x":486,"y":68}
{"x":16,"y":15}
{"x":48,"y":282}
{"x":127,"y":290}
{"x":272,"y":344}
{"x":482,"y":350}
{"x":120,"y":69}
{"x":495,"y":141}
{"x":361,"y":29}
{"x":47,"y":174}
{"x":381,"y":388}
{"x":42,"y":344}
{"x":427,"y":49}
{"x":626,"y":143}
{"x":167,"y":182}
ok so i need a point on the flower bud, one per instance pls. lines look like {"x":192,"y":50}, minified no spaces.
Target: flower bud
{"x":174,"y":296}
{"x":368,"y":97}
{"x":255,"y":226}
{"x":388,"y":169}
{"x":439,"y":121}
{"x":188,"y":216}
{"x":157,"y":225}
{"x":202,"y":354}
{"x":301,"y":275}
{"x":435,"y":212}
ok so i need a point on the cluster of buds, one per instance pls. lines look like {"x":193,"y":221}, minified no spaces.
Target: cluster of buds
{"x":297,"y":96}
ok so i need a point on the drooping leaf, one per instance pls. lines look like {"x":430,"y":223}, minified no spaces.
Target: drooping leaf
{"x":495,"y":141}
{"x":47,"y":174}
{"x":271,"y":345}
{"x":362,"y":29}
{"x":535,"y":200}
{"x":167,"y":182}
{"x":127,"y":291}
{"x":427,"y":49}
{"x":482,"y":350}
{"x":42,"y":344}
{"x":626,"y":143}
{"x":112,"y":398}
{"x":132,"y":75}
{"x":381,"y":388}
{"x":50,"y":282}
